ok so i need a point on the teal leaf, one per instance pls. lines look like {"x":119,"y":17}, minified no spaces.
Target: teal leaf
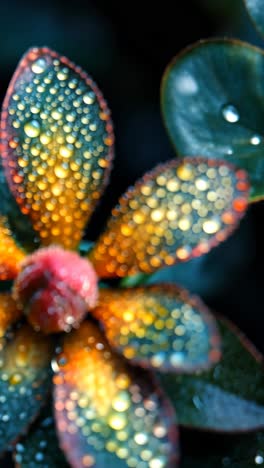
{"x":40,"y":447}
{"x":212,"y":102}
{"x":19,"y":224}
{"x":256,"y":12}
{"x":229,"y":398}
{"x":25,"y":379}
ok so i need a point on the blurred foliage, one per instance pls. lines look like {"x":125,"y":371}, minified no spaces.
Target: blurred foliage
{"x":126,"y":48}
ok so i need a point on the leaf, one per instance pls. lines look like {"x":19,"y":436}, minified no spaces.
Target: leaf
{"x":256,"y":12}
{"x":229,"y":398}
{"x":40,"y":447}
{"x":24,"y":381}
{"x":160,"y":327}
{"x":212,"y":102}
{"x":179,"y":210}
{"x":243,"y":451}
{"x":209,"y":276}
{"x":56,"y":144}
{"x":107,"y":412}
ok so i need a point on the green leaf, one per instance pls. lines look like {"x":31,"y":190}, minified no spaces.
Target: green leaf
{"x":245,"y":451}
{"x":229,"y":398}
{"x":40,"y":447}
{"x":212,"y":100}
{"x":256,"y":12}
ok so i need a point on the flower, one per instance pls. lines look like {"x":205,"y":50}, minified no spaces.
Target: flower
{"x":56,"y":147}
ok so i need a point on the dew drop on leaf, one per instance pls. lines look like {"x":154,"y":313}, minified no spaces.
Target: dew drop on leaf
{"x":255,"y":140}
{"x":230,"y":113}
{"x":259,"y":460}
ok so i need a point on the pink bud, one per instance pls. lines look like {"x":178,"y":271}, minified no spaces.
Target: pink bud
{"x":56,"y":288}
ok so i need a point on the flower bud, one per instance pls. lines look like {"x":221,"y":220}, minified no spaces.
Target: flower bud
{"x":55,"y":288}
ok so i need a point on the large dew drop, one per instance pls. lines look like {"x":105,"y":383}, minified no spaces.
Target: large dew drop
{"x":230,"y":113}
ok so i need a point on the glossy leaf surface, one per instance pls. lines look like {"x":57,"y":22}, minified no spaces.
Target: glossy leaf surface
{"x":56,"y":144}
{"x":40,"y":447}
{"x":24,"y":381}
{"x":229,"y":398}
{"x":212,"y":102}
{"x":160,"y":327}
{"x":107,"y":412}
{"x":178,"y":211}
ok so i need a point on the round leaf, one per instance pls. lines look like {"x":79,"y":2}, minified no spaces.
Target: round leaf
{"x":212,"y":101}
{"x":230,"y":398}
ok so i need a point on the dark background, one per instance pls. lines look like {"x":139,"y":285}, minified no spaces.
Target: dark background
{"x":126,"y":46}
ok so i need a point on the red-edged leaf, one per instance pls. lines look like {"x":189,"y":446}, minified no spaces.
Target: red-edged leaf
{"x":57,"y":144}
{"x":159,"y":326}
{"x":178,"y":211}
{"x":107,"y":412}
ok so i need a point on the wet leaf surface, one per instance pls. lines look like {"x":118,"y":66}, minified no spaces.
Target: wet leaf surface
{"x":203,"y":110}
{"x":229,"y":398}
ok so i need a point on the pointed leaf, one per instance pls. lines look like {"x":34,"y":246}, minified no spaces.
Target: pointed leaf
{"x":256,"y":12}
{"x":40,"y":447}
{"x":230,"y":398}
{"x":24,"y":381}
{"x":107,"y":412}
{"x":212,"y":101}
{"x":56,"y":144}
{"x":160,"y":327}
{"x":177,"y":211}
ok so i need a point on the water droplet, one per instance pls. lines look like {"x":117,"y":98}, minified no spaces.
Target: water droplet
{"x":259,"y":460}
{"x":60,"y":172}
{"x":230,"y":113}
{"x":117,"y":421}
{"x":62,"y":74}
{"x":197,"y":402}
{"x":121,"y":402}
{"x":211,"y":226}
{"x":39,"y":457}
{"x":255,"y":140}
{"x":54,"y":365}
{"x":32,"y":129}
{"x":141,"y":438}
{"x":38,"y":66}
{"x":15,"y":379}
{"x":5,"y":418}
{"x":69,"y":320}
{"x":66,"y":151}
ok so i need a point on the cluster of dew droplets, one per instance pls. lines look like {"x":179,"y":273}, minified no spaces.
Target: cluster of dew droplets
{"x":59,"y":145}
